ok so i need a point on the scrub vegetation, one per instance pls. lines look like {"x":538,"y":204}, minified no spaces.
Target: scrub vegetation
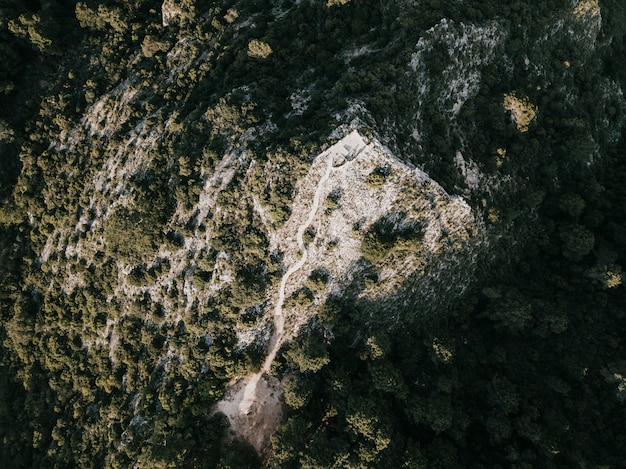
{"x":154,"y":160}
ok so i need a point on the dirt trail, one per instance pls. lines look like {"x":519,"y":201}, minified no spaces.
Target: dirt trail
{"x":253,"y":405}
{"x":279,"y":319}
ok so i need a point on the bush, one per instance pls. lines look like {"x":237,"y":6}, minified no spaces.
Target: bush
{"x":259,"y":49}
{"x":174,"y":240}
{"x":332,"y":201}
{"x":373,"y":248}
{"x":297,"y":392}
{"x":383,"y":236}
{"x":302,"y":298}
{"x":130,"y":234}
{"x":376,"y":179}
{"x":309,"y":235}
{"x":151,"y":46}
{"x":317,"y":280}
{"x":139,"y":277}
{"x":310,"y":355}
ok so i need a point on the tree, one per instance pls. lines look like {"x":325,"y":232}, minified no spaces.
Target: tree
{"x":30,"y":27}
{"x":511,"y":310}
{"x":577,"y":240}
{"x":259,"y":49}
{"x":101,"y":18}
{"x":308,"y":355}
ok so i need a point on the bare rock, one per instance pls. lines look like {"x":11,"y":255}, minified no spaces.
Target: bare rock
{"x":170,"y":9}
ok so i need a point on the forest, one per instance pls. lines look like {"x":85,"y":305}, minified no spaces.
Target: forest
{"x":123,"y":285}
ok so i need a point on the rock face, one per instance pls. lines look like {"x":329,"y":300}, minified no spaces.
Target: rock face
{"x":380,"y":215}
{"x":170,"y":10}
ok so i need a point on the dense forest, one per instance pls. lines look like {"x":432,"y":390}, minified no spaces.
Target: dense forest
{"x":125,"y":283}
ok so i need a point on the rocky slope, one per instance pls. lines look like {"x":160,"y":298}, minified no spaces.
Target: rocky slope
{"x":230,"y":220}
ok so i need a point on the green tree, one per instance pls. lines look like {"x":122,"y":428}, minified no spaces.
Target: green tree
{"x":577,"y":240}
{"x":259,"y":49}
{"x":310,"y":354}
{"x":31,"y":28}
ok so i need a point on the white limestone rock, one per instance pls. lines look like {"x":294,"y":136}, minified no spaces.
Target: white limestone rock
{"x":170,"y":10}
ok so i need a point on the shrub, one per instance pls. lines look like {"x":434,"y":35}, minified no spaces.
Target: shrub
{"x":30,"y":29}
{"x":317,"y":280}
{"x":174,"y":240}
{"x":130,"y":234}
{"x":332,"y":201}
{"x":309,"y":235}
{"x":376,"y":179}
{"x":151,"y":46}
{"x":302,"y":298}
{"x":139,"y":277}
{"x":310,"y":355}
{"x":259,"y":49}
{"x":383,"y":236}
{"x":297,"y":392}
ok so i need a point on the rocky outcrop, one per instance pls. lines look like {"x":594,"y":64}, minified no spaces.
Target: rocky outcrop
{"x":170,"y":10}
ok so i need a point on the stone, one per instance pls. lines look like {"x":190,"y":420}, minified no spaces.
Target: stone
{"x":170,"y":10}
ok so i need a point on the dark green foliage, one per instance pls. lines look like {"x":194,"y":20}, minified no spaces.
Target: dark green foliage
{"x":525,"y":370}
{"x":577,"y":241}
{"x":130,"y":235}
{"x":174,"y":240}
{"x":317,"y":280}
{"x":374,"y":247}
{"x":309,"y":355}
{"x":301,"y":298}
{"x":248,"y":287}
{"x":139,"y":277}
{"x":386,"y":234}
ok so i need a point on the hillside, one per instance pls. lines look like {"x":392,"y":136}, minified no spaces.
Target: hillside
{"x":279,"y":233}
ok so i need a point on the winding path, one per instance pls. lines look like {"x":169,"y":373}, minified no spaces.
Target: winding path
{"x":276,"y":341}
{"x":254,"y":405}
